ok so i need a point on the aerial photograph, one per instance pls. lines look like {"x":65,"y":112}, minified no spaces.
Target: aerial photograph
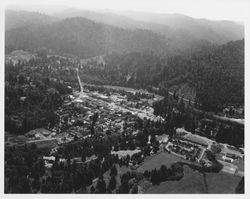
{"x":124,"y":97}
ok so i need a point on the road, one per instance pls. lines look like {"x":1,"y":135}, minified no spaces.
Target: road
{"x":206,"y":114}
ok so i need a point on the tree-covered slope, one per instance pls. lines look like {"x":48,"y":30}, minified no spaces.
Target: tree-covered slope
{"x":16,"y":19}
{"x":83,"y":38}
{"x":213,"y":74}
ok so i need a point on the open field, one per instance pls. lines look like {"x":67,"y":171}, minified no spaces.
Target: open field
{"x":192,"y":182}
{"x":155,"y":161}
{"x":222,"y":182}
{"x":195,"y":182}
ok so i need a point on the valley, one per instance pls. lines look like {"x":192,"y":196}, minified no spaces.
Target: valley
{"x":99,"y":102}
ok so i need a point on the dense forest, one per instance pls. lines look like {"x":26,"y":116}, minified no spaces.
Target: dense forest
{"x":33,"y":94}
{"x":82,"y":37}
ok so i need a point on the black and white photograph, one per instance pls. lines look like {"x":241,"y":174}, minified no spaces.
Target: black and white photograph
{"x":124,"y":97}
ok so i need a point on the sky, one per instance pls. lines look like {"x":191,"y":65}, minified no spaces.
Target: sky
{"x":235,"y":10}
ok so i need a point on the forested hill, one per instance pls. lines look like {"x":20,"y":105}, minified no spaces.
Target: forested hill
{"x":88,"y":33}
{"x":214,"y":74}
{"x":219,"y":32}
{"x":208,"y":72}
{"x":16,"y":19}
{"x":220,"y":76}
{"x":83,"y":38}
{"x":179,"y":30}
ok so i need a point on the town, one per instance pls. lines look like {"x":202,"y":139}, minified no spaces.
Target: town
{"x":102,"y":138}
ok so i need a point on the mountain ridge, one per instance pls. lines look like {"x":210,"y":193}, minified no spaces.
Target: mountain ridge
{"x":83,"y":38}
{"x":221,"y":31}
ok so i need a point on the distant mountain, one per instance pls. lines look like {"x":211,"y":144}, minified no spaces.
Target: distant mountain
{"x":112,"y":19}
{"x":101,"y":17}
{"x":16,"y":19}
{"x":84,"y":38}
{"x":179,"y":30}
{"x":214,"y":31}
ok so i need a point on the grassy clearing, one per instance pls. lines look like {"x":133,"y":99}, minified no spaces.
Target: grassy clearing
{"x":222,"y":182}
{"x":192,"y":182}
{"x":155,"y":161}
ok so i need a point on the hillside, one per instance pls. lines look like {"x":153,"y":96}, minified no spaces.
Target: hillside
{"x":180,"y":30}
{"x":106,"y":18}
{"x":84,"y":38}
{"x":218,"y":32}
{"x":16,"y":19}
{"x":192,"y":65}
{"x":213,"y":74}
